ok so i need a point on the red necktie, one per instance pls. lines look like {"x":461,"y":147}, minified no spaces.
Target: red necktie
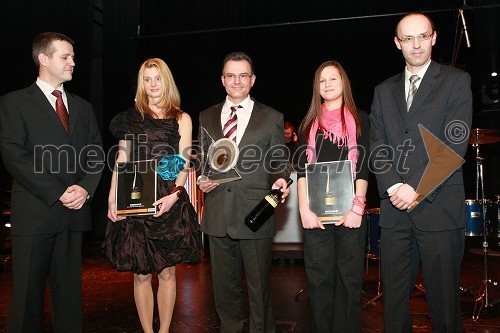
{"x":61,"y":111}
{"x":229,"y":129}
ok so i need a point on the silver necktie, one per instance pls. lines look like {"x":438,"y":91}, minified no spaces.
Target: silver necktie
{"x":412,"y":90}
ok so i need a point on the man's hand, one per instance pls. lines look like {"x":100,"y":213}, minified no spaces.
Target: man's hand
{"x":74,"y":197}
{"x":284,"y":190}
{"x":207,"y":186}
{"x":403,"y":197}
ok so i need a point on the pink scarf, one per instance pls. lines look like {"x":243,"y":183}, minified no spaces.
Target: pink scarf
{"x":333,"y":131}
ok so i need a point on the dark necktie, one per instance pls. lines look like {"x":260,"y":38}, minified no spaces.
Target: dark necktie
{"x":61,"y":111}
{"x":229,"y":129}
{"x":412,"y":90}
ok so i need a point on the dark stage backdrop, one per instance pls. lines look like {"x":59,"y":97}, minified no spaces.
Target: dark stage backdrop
{"x":287,"y":40}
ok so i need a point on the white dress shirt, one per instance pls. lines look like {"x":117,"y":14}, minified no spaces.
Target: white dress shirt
{"x":243,"y":114}
{"x":420,"y":74}
{"x":47,"y":90}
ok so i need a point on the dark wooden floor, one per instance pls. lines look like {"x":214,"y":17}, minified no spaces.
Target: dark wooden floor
{"x":109,"y":305}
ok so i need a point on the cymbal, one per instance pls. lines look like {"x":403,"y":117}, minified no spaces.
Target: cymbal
{"x":484,"y":136}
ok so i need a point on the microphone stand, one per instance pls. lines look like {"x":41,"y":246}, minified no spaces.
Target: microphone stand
{"x":463,"y":31}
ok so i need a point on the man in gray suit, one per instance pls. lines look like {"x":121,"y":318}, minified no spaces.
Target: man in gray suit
{"x":262,"y":165}
{"x":56,"y":166}
{"x":432,"y":231}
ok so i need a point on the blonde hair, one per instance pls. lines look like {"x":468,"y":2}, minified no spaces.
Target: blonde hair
{"x":170,"y":99}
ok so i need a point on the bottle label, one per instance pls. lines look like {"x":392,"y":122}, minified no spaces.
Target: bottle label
{"x":269,"y":198}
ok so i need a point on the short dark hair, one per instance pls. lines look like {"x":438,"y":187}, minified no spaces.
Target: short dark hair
{"x":289,"y":124}
{"x":413,"y":13}
{"x":43,"y":44}
{"x":237,"y":56}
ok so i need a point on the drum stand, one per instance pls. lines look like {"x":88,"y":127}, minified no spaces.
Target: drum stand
{"x":379,"y":282}
{"x":378,"y":257}
{"x":483,"y":298}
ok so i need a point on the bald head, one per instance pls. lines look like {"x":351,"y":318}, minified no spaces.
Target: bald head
{"x":415,"y":37}
{"x":410,"y":17}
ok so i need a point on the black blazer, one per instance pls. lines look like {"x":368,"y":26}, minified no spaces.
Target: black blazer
{"x":443,"y":100}
{"x":229,"y":203}
{"x":43,"y":160}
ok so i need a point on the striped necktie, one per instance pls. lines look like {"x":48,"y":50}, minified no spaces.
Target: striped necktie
{"x":61,"y":110}
{"x":412,"y":90}
{"x":229,"y":129}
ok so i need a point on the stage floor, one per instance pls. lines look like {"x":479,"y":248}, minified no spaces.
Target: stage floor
{"x":109,"y":305}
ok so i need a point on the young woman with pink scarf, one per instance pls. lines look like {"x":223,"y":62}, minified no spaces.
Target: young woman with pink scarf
{"x":334,"y":129}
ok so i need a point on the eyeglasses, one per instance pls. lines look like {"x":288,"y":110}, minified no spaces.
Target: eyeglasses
{"x":410,"y":39}
{"x":242,"y":76}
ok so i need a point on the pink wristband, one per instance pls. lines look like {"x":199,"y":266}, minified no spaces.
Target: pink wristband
{"x":356,"y":213}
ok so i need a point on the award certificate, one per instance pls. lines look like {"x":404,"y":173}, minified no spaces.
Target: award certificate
{"x":330,"y":189}
{"x":136,"y":187}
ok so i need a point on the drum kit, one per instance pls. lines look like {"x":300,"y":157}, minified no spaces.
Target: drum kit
{"x":482,"y":219}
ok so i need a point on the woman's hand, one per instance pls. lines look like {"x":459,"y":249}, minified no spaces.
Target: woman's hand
{"x":165,"y":203}
{"x":112,"y":212}
{"x":350,"y":220}
{"x":310,"y":220}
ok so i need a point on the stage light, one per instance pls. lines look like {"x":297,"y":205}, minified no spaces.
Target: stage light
{"x":7,"y":225}
{"x":494,"y":74}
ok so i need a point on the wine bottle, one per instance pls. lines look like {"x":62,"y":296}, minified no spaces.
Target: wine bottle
{"x":265,"y":208}
{"x":136,"y":192}
{"x":330,"y":199}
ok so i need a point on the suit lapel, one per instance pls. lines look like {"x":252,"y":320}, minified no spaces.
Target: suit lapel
{"x":254,"y":123}
{"x":426,"y":87}
{"x":214,"y":128}
{"x":213,"y":125}
{"x":398,"y":90}
{"x":43,"y":104}
{"x":74,"y":111}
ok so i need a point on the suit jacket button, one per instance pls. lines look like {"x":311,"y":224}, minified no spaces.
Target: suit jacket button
{"x":406,"y":131}
{"x":229,"y":189}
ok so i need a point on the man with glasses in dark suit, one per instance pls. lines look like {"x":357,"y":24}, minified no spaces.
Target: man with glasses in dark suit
{"x":235,"y":248}
{"x":416,"y":230}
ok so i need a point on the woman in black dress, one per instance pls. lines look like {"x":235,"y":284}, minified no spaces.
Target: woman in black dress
{"x":155,"y":129}
{"x":333,"y":130}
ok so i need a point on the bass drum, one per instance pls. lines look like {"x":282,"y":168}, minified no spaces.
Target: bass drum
{"x":474,"y":218}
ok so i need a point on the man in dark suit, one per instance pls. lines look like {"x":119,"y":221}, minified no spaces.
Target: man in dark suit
{"x":432,"y":231}
{"x":55,"y":171}
{"x":262,"y":164}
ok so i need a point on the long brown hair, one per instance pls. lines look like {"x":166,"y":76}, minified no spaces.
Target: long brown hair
{"x":170,"y":99}
{"x":316,"y":101}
